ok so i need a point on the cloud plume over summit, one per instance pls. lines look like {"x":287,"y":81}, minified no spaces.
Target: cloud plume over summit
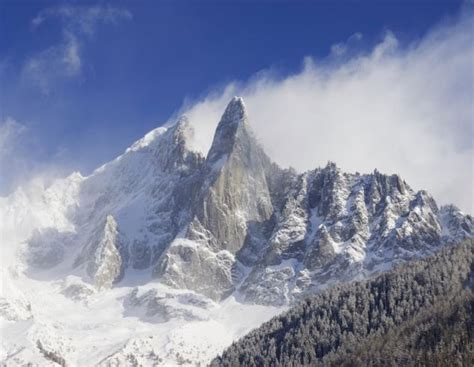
{"x":400,"y":108}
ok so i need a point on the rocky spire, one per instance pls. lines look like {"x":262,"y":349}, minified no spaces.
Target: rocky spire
{"x":232,"y":129}
{"x":175,"y":154}
{"x":235,"y":181}
{"x":106,"y":265}
{"x":235,"y":113}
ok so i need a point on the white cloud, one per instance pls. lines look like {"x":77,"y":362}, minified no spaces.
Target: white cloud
{"x":19,"y":158}
{"x":64,"y":61}
{"x":71,"y":57}
{"x":401,"y":109}
{"x":10,"y":131}
{"x":11,"y":134}
{"x":82,"y":19}
{"x":341,"y":48}
{"x":59,"y":62}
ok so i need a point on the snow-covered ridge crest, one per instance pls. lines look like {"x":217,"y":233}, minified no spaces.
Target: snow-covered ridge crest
{"x":146,"y":140}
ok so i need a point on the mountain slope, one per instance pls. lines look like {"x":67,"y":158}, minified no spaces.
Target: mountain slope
{"x":230,"y":221}
{"x":165,"y":234}
{"x":420,"y":314}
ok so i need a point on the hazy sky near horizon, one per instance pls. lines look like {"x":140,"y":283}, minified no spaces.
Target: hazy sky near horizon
{"x":385,"y":85}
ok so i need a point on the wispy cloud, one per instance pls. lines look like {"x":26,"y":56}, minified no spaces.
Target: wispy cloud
{"x":19,"y":163}
{"x":10,"y":131}
{"x":400,"y":108}
{"x":82,"y":19}
{"x":339,"y":49}
{"x":64,"y":60}
{"x":56,"y":63}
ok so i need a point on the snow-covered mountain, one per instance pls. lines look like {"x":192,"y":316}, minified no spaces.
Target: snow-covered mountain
{"x":166,"y":240}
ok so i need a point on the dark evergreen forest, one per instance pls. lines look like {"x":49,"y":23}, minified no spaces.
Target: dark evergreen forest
{"x":420,"y":314}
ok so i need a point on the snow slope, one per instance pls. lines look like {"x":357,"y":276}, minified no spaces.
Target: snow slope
{"x":121,"y":325}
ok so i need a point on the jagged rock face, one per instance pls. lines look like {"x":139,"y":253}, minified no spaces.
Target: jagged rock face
{"x":235,"y":192}
{"x":147,"y":190}
{"x":234,"y":221}
{"x":190,"y":265}
{"x":174,"y":155}
{"x":105,"y":261}
{"x":230,"y":210}
{"x":455,"y":225}
{"x":336,"y":226}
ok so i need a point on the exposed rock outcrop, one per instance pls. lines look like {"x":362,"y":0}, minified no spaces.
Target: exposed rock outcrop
{"x":107,"y":262}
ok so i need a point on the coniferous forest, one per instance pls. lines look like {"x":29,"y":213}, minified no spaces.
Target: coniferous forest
{"x":420,"y":314}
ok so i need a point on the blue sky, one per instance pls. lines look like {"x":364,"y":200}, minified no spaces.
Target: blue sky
{"x":82,"y":80}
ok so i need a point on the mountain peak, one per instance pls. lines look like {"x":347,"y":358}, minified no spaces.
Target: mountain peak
{"x":232,"y":127}
{"x":182,"y":130}
{"x":234,"y":113}
{"x":182,"y":121}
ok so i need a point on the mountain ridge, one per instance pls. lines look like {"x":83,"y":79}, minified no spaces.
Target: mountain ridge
{"x":245,"y":217}
{"x":205,"y":246}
